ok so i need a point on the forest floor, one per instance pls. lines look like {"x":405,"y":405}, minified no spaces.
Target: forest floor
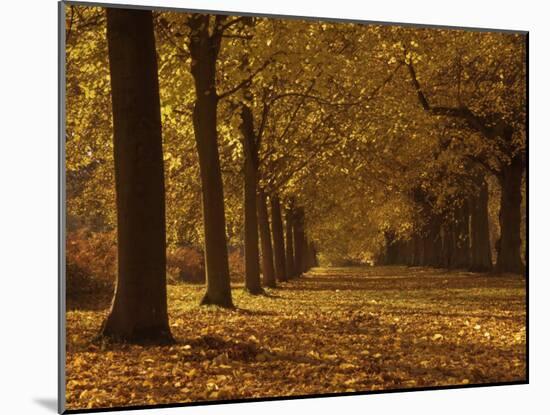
{"x":332,"y":330}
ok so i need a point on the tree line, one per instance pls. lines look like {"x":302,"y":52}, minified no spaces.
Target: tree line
{"x":339,"y":139}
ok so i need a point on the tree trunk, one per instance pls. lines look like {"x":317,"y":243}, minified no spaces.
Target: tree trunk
{"x":427,"y":246}
{"x":479,"y":229}
{"x":299,"y":241}
{"x":309,"y":255}
{"x":432,"y":243}
{"x":391,"y":255}
{"x":290,"y":265}
{"x":401,"y":253}
{"x":409,"y":248}
{"x":268,"y":270}
{"x":461,"y":253}
{"x":509,"y":244}
{"x":278,"y":239}
{"x":448,"y":245}
{"x":251,"y":252}
{"x":418,"y":252}
{"x":139,"y":311}
{"x":204,"y":51}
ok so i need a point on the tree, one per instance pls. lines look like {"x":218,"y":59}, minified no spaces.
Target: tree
{"x":491,"y":101}
{"x":479,"y":223}
{"x":289,"y":254}
{"x":335,"y":128}
{"x":204,"y":48}
{"x":139,"y":311}
{"x":268,"y":270}
{"x":300,"y":248}
{"x":251,"y":253}
{"x":278,"y":239}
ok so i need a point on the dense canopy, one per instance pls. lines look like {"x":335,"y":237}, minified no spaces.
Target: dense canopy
{"x":342,"y":129}
{"x":242,"y":152}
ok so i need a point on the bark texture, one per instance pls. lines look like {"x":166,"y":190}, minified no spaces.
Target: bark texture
{"x":299,"y":241}
{"x":251,"y":251}
{"x":290,"y":266}
{"x":461,"y":253}
{"x":204,"y":49}
{"x":481,"y":260}
{"x":139,"y":311}
{"x":278,"y":239}
{"x":268,"y":269}
{"x":509,"y":245}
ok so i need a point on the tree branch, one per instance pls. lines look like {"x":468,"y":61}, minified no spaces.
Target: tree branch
{"x":483,"y":163}
{"x":248,"y":80}
{"x":233,"y":22}
{"x":242,"y":37}
{"x":463,"y":112}
{"x":324,"y":101}
{"x":263,"y":122}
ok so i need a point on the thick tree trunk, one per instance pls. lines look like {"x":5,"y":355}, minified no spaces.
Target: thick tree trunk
{"x":392,"y":249}
{"x":278,"y":239}
{"x":441,"y":255}
{"x":448,"y":245}
{"x":251,"y":251}
{"x":268,"y":270}
{"x":418,"y":251}
{"x":139,"y":311}
{"x":290,"y":266}
{"x":402,"y":253}
{"x":479,"y":229}
{"x":204,"y":52}
{"x":427,"y":247}
{"x":432,"y":243}
{"x":509,"y":244}
{"x":461,"y":253}
{"x":299,"y":240}
{"x":409,"y":249}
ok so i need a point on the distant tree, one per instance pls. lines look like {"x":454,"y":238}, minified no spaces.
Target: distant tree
{"x":278,"y":239}
{"x":268,"y":267}
{"x":251,"y":252}
{"x":488,"y":76}
{"x":481,"y":260}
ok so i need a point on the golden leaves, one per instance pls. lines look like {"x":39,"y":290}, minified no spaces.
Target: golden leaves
{"x":384,"y":328}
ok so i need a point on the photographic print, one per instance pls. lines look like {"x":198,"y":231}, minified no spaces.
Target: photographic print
{"x":272,"y":207}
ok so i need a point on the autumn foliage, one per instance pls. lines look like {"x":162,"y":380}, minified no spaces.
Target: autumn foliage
{"x":91,"y":262}
{"x":262,"y":207}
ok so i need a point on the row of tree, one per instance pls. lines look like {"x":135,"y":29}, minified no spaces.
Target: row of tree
{"x":459,"y":239}
{"x":363,"y":138}
{"x":139,"y":310}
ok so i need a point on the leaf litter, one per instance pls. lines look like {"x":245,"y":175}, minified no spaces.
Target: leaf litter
{"x":333,"y":330}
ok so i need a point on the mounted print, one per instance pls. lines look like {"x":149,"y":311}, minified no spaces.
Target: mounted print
{"x":277,"y":207}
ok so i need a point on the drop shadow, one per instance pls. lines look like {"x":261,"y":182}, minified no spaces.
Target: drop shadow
{"x":49,"y":403}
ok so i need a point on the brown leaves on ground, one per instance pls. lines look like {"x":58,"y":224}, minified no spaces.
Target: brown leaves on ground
{"x":334,"y":330}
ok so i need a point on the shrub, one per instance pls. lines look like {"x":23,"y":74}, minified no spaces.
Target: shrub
{"x":91,"y":261}
{"x":236,"y":264}
{"x":185,"y":264}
